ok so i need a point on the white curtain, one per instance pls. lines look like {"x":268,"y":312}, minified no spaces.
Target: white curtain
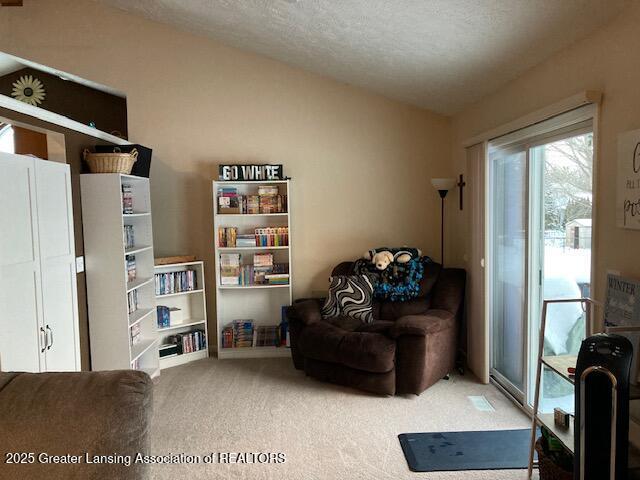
{"x":477,"y":321}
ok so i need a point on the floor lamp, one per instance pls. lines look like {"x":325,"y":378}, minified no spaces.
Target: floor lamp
{"x":442,"y":185}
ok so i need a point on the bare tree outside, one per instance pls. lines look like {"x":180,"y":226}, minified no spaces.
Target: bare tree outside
{"x":569,"y":173}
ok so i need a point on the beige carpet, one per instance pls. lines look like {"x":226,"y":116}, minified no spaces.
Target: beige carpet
{"x":326,"y":431}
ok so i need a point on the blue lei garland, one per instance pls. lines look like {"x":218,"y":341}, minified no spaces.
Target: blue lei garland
{"x":398,"y":282}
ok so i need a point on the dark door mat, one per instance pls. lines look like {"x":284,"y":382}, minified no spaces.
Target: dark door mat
{"x":454,"y":451}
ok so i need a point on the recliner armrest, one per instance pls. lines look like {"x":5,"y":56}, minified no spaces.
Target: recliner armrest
{"x":305,"y":311}
{"x":421,"y":325}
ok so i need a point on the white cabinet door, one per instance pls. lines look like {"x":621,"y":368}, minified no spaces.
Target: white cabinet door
{"x":57,"y":266}
{"x":20,"y":310}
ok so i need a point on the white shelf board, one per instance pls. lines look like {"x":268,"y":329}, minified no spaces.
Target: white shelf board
{"x":175,"y":360}
{"x":187,"y":323}
{"x":133,"y":177}
{"x":57,"y":119}
{"x":250,"y":287}
{"x":223,"y":215}
{"x":231,"y":249}
{"x":174,"y":265}
{"x":189,"y":292}
{"x":254,"y":352}
{"x":249,"y":182}
{"x":564,"y":435}
{"x":132,"y":250}
{"x":560,"y":363}
{"x":137,"y":283}
{"x":133,"y":215}
{"x":139,"y":315}
{"x":141,"y":347}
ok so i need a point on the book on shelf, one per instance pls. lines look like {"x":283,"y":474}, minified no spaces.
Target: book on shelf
{"x":269,"y":201}
{"x":168,"y":316}
{"x":127,"y":199}
{"x":272,"y":236}
{"x":230,"y":264}
{"x":245,"y":334}
{"x":175,"y":282}
{"x":246,"y":240}
{"x":131,"y":267}
{"x":268,"y":190}
{"x":135,"y":334}
{"x":129,"y":240}
{"x":267,"y":336}
{"x":188,"y":342}
{"x":262,"y":237}
{"x":227,"y":236}
{"x":263,"y":260}
{"x":239,"y":334}
{"x":132,"y":301}
{"x":263,"y":270}
{"x":284,"y":327}
{"x":277,"y":278}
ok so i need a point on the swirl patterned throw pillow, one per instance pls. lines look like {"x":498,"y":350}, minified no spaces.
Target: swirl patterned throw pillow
{"x":351,"y":296}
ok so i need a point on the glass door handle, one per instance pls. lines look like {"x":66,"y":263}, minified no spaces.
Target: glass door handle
{"x":49,"y":336}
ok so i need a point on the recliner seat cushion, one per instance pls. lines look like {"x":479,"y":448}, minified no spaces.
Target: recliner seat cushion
{"x":368,"y":351}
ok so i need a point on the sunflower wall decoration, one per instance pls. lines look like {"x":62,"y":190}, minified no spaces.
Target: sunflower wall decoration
{"x":29,"y":90}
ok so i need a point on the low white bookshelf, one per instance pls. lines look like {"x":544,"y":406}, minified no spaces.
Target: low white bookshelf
{"x":190,"y":313}
{"x":108,"y":287}
{"x":260,"y":303}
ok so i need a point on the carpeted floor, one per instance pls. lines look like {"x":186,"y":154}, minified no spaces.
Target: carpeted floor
{"x":325,"y":431}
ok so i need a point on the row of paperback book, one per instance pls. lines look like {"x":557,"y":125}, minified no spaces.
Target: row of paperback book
{"x":245,"y":334}
{"x":263,"y":271}
{"x":131,"y":267}
{"x":127,"y":199}
{"x":175,"y":282}
{"x":129,"y":240}
{"x":262,"y":237}
{"x":188,"y":342}
{"x":135,"y":334}
{"x":132,"y":301}
{"x":230,"y":201}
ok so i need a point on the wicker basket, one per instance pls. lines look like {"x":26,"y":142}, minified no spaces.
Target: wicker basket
{"x":116,"y":162}
{"x":547,"y":469}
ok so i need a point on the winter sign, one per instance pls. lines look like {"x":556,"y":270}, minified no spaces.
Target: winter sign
{"x":628,"y":201}
{"x":622,"y":307}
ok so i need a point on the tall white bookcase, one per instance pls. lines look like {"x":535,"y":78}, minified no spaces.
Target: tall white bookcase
{"x":261,"y":303}
{"x":191,"y":312}
{"x":110,"y":323}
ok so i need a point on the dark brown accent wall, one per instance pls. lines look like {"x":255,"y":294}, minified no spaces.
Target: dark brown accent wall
{"x":78,"y":102}
{"x":75,"y":142}
{"x":30,"y":142}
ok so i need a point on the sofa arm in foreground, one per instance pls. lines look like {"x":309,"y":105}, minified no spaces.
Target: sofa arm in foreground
{"x":77,"y":416}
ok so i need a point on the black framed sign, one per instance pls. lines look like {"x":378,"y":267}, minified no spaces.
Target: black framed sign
{"x":255,"y":173}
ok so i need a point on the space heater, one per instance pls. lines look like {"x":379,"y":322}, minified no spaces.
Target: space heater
{"x":602,"y":408}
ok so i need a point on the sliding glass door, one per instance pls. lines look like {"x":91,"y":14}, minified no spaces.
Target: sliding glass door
{"x":508,"y":187}
{"x":539,"y":231}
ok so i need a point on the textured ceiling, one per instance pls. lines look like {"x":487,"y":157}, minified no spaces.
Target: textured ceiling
{"x":439,"y":54}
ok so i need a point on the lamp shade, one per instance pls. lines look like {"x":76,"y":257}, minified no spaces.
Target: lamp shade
{"x":445,"y":184}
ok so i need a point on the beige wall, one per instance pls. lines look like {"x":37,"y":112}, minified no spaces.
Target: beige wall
{"x":360,"y":163}
{"x":607,"y":61}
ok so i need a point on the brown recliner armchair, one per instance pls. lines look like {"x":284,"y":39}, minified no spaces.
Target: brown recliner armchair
{"x":409,"y":346}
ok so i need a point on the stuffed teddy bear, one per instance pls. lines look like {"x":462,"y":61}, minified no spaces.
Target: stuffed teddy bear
{"x":383,"y":257}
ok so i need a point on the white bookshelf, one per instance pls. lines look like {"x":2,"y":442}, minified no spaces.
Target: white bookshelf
{"x":261,"y":303}
{"x":192,"y":313}
{"x":106,"y":272}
